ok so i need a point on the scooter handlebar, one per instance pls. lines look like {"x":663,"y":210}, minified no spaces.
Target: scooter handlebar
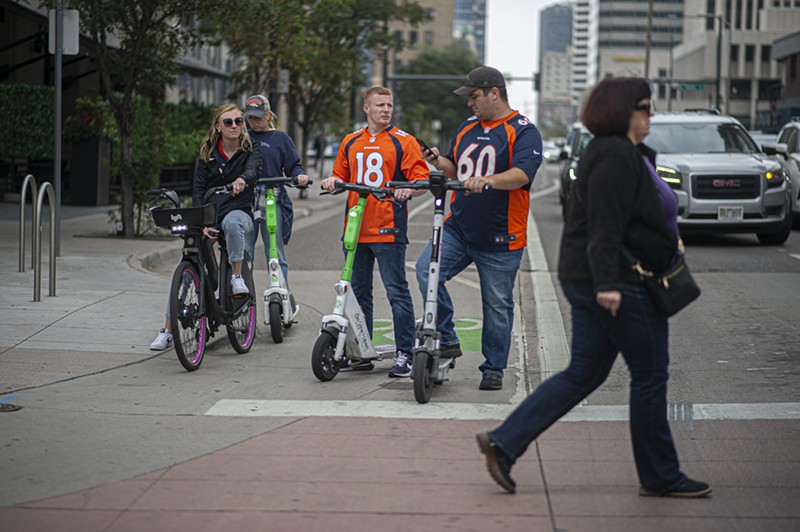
{"x":361,"y":190}
{"x":282,"y":180}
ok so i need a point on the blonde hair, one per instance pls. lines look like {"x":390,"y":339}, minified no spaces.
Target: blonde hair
{"x":212,"y":137}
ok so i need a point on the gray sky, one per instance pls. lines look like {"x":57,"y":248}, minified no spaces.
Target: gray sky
{"x":512,"y":44}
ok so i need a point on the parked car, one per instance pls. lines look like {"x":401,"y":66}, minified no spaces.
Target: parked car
{"x":578,"y":138}
{"x":724,"y":182}
{"x":763,"y":140}
{"x":550,"y":151}
{"x":788,"y":150}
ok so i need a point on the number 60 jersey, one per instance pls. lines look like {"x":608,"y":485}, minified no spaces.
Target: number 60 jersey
{"x":495,"y":220}
{"x":366,"y":159}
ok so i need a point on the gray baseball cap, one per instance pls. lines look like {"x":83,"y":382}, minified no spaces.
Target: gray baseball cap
{"x":483,"y":77}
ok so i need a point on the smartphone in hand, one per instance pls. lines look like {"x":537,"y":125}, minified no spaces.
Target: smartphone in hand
{"x":427,"y":148}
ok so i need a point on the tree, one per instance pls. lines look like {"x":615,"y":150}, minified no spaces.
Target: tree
{"x":422,"y":101}
{"x":323,"y":44}
{"x":135,"y":47}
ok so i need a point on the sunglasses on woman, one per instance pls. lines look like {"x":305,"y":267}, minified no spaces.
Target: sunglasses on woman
{"x":228,"y":122}
{"x":645,"y":106}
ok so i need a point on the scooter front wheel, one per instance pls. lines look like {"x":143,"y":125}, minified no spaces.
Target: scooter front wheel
{"x":421,"y":373}
{"x":323,"y":364}
{"x":276,"y":322}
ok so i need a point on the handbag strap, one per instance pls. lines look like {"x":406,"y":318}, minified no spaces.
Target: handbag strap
{"x":636,"y":264}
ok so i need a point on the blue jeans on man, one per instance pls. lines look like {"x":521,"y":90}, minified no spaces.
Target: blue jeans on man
{"x":391,"y":259}
{"x":640,"y":332}
{"x":498,"y":273}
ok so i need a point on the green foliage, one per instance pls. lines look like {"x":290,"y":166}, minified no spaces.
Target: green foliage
{"x":323,"y":44}
{"x":422,"y":101}
{"x":28,"y":118}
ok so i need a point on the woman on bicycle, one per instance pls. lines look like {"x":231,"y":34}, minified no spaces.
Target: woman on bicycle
{"x":278,"y":158}
{"x":226,"y":158}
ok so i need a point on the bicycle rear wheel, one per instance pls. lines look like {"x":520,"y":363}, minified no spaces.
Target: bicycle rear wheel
{"x":242,"y":330}
{"x":187,"y":319}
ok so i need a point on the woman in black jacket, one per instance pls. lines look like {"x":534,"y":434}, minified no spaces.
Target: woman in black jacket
{"x":618,"y":199}
{"x":227,"y":158}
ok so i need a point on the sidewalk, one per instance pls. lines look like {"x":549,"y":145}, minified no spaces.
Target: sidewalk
{"x":347,"y":473}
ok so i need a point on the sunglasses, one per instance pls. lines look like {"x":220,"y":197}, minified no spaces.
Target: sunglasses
{"x":645,"y":106}
{"x":228,"y":122}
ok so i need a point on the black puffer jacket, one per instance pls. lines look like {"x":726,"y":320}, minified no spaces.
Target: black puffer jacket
{"x":244,"y":164}
{"x":613,"y":202}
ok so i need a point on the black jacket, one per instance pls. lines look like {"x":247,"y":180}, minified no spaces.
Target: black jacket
{"x":244,"y":164}
{"x":614,"y":202}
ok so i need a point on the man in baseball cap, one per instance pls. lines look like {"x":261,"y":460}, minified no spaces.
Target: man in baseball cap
{"x":257,"y":106}
{"x":484,"y":77}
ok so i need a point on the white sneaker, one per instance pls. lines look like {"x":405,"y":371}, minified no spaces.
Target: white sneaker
{"x":162,"y":341}
{"x":238,"y":285}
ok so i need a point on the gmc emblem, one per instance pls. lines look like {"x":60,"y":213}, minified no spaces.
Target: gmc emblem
{"x":726,"y":183}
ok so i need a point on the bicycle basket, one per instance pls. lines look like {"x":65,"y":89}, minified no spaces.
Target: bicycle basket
{"x":185,"y":218}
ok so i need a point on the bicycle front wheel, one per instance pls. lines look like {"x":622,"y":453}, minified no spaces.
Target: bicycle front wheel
{"x":242,"y":330}
{"x":187,"y":318}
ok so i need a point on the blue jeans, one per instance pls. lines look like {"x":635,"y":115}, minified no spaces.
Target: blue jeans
{"x":252,"y":237}
{"x":236,"y":225}
{"x":641,"y":333}
{"x":497,"y":272}
{"x":391,"y":259}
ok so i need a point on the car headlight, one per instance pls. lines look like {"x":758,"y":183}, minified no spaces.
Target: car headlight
{"x":572,"y":175}
{"x":774,"y":177}
{"x":670,"y":175}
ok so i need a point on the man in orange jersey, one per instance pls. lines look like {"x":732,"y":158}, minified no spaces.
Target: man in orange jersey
{"x":372,"y":156}
{"x":500,"y":148}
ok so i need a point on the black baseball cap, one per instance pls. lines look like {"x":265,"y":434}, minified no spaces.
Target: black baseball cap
{"x":483,"y":77}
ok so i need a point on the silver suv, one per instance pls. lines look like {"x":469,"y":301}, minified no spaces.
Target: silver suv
{"x":723,"y":181}
{"x":788,"y":146}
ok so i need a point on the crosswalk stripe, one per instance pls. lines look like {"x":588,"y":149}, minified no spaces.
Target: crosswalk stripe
{"x":480,"y":411}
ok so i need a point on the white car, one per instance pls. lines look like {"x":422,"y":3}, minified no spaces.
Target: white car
{"x":788,"y":146}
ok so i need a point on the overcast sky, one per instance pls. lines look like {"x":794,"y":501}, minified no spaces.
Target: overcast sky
{"x":512,"y":45}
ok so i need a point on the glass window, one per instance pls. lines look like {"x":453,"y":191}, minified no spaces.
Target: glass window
{"x":749,"y":52}
{"x":700,"y":138}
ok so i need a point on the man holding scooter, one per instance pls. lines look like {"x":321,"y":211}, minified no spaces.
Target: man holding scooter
{"x":373,"y":156}
{"x":500,"y":148}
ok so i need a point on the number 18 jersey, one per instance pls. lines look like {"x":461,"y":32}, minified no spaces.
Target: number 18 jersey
{"x":366,"y":159}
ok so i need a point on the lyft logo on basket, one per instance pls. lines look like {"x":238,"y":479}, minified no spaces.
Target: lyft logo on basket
{"x":175,"y":217}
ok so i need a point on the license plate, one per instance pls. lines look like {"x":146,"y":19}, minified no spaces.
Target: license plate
{"x":730,"y":214}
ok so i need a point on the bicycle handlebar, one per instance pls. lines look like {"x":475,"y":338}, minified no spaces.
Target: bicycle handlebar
{"x":282,"y":180}
{"x":224,"y":189}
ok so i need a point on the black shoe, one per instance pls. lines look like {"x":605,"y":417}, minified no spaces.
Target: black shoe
{"x":690,"y":489}
{"x":497,"y":462}
{"x":491,"y":381}
{"x":356,"y":365}
{"x":450,"y":351}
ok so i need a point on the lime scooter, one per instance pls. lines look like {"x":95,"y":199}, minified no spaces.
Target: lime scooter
{"x":429,"y":367}
{"x":278,"y":312}
{"x":344,"y":336}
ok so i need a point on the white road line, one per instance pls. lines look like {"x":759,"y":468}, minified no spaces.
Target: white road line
{"x":479,"y":411}
{"x":553,"y":348}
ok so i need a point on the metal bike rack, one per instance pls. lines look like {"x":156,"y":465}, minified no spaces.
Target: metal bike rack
{"x":48,"y":189}
{"x":34,"y":193}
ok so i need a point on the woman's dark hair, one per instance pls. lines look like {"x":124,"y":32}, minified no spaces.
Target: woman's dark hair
{"x":608,"y":108}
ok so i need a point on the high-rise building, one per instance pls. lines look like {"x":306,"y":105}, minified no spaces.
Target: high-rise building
{"x":469,"y":25}
{"x":555,"y":43}
{"x":749,"y":80}
{"x":583,"y":71}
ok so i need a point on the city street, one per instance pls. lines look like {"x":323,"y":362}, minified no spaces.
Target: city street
{"x":258,"y":434}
